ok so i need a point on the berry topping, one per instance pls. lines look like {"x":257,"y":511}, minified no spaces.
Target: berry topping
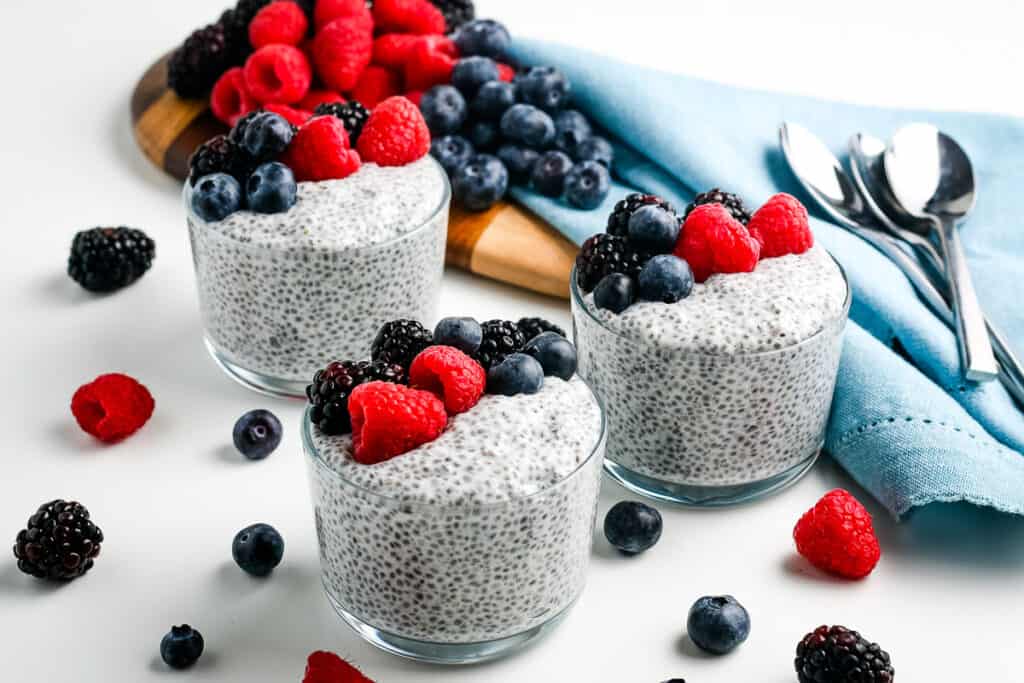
{"x":665,"y":278}
{"x":444,"y":109}
{"x":781,"y":226}
{"x":399,"y":342}
{"x":604,"y":254}
{"x":516,"y":374}
{"x":465,"y":334}
{"x":181,"y":647}
{"x":615,"y":292}
{"x":501,"y":338}
{"x":107,"y":259}
{"x":271,"y":188}
{"x":236,"y":26}
{"x":837,"y":536}
{"x":320,"y":151}
{"x":112,"y":407}
{"x":456,"y":12}
{"x":587,"y":185}
{"x":316,"y":98}
{"x":327,"y":11}
{"x":492,"y":100}
{"x":519,"y":161}
{"x":555,"y":353}
{"x":341,"y":51}
{"x":654,"y":229}
{"x":454,"y":377}
{"x":375,"y":85}
{"x":618,"y":221}
{"x":327,"y":667}
{"x":550,"y":172}
{"x":408,"y":16}
{"x":838,"y":655}
{"x":278,"y":73}
{"x":216,"y":196}
{"x":195,"y":66}
{"x":718,"y":624}
{"x":480,"y":182}
{"x":712,"y":241}
{"x":632,"y":527}
{"x":59,"y":542}
{"x":230,"y":99}
{"x":395,"y":134}
{"x":484,"y":37}
{"x":222,"y":154}
{"x":391,"y":419}
{"x":328,"y":394}
{"x":531,"y":327}
{"x":544,"y":87}
{"x":279,"y":22}
{"x":451,"y":151}
{"x":528,"y":125}
{"x":730,"y":201}
{"x":257,"y":549}
{"x":352,"y":114}
{"x":471,"y":73}
{"x":257,"y":434}
{"x":266,"y":135}
{"x":571,"y":129}
{"x":596,"y":148}
{"x":429,"y":64}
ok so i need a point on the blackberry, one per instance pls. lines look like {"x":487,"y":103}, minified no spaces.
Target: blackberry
{"x":501,"y":339}
{"x":604,"y":254}
{"x":220,"y":154}
{"x":197,"y":64}
{"x":399,"y":341}
{"x":838,"y":655}
{"x":531,"y":327}
{"x":353,"y":116}
{"x":727,"y":199}
{"x":328,"y":394}
{"x":107,"y":259}
{"x":59,"y":542}
{"x":618,"y":220}
{"x":236,"y":27}
{"x":456,"y":12}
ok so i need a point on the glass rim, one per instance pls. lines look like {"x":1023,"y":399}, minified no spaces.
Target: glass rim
{"x":841,"y":318}
{"x":313,"y":455}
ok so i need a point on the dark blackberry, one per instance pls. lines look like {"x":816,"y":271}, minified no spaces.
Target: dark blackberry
{"x":618,"y":220}
{"x":531,"y":327}
{"x":236,"y":27}
{"x":353,"y":116}
{"x":604,"y":254}
{"x":328,"y":394}
{"x":59,"y":542}
{"x":838,"y":655}
{"x":727,"y":199}
{"x":220,"y":155}
{"x":107,"y":259}
{"x":456,"y":12}
{"x":399,"y":341}
{"x":197,"y":64}
{"x":501,"y":338}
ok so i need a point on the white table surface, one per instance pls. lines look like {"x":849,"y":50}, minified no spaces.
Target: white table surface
{"x":170,"y":499}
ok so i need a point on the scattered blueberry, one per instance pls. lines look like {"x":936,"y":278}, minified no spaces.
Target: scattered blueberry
{"x":483,"y":37}
{"x":465,"y":334}
{"x":550,"y":172}
{"x":181,"y":647}
{"x":718,"y":624}
{"x":529,"y":125}
{"x":271,"y":188}
{"x":666,"y":278}
{"x":492,"y":100}
{"x":555,"y":353}
{"x":216,"y":196}
{"x":632,"y":527}
{"x":483,"y":135}
{"x":451,"y":151}
{"x":480,"y":182}
{"x":267,"y":136}
{"x":519,"y":161}
{"x":470,"y":73}
{"x":615,"y":292}
{"x":545,"y":87}
{"x":571,"y":129}
{"x":257,"y":434}
{"x":257,"y":549}
{"x":596,"y":148}
{"x":654,"y":229}
{"x":517,"y":374}
{"x":444,"y":109}
{"x":587,"y":185}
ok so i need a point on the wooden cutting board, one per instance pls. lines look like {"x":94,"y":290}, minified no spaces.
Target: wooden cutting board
{"x":506,"y":243}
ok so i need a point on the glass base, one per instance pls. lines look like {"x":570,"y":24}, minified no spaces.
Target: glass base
{"x":264,"y":384}
{"x":707,"y":496}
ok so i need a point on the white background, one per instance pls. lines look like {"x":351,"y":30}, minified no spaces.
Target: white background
{"x":945,"y":600}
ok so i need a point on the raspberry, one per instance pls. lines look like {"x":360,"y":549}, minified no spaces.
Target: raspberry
{"x":427,"y":66}
{"x":392,"y":50}
{"x":279,"y":74}
{"x":279,"y":22}
{"x":327,"y":667}
{"x":781,"y":227}
{"x":419,"y":17}
{"x":414,"y":96}
{"x":712,"y":241}
{"x":230,"y":99}
{"x":328,"y":10}
{"x":506,"y":72}
{"x":341,"y":51}
{"x":376,"y":84}
{"x":395,"y":134}
{"x":320,"y":151}
{"x":112,"y":407}
{"x":451,"y":374}
{"x":837,"y":536}
{"x":314,"y":98}
{"x":294,"y":116}
{"x":391,"y":419}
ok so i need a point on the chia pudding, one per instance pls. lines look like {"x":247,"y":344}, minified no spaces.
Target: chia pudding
{"x":481,"y":535}
{"x":724,"y":394}
{"x":282,"y":294}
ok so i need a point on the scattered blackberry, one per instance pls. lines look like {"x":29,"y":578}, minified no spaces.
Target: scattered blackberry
{"x":220,"y":155}
{"x":501,"y":339}
{"x":618,"y":220}
{"x":328,"y":394}
{"x":107,"y":259}
{"x":353,"y":116}
{"x":838,"y":655}
{"x":59,"y":542}
{"x":727,"y":199}
{"x":197,"y":64}
{"x":456,"y":12}
{"x":399,"y":341}
{"x":531,"y":327}
{"x":604,"y":254}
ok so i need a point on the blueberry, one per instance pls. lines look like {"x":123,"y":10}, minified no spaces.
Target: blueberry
{"x":718,"y":624}
{"x":451,"y":151}
{"x":666,"y":278}
{"x":654,"y":229}
{"x":444,"y":109}
{"x":519,"y":161}
{"x":555,"y":353}
{"x":271,"y":188}
{"x":181,"y":647}
{"x":216,"y":196}
{"x":483,"y":37}
{"x":480,"y":182}
{"x":596,"y":148}
{"x":632,"y":527}
{"x":587,"y":185}
{"x":257,"y":434}
{"x":483,"y":135}
{"x":550,"y":172}
{"x":517,"y":374}
{"x":267,"y":136}
{"x":465,"y":334}
{"x":545,"y":87}
{"x":257,"y":549}
{"x":470,"y":73}
{"x":615,"y":292}
{"x":571,"y":129}
{"x":529,"y":125}
{"x":492,"y":100}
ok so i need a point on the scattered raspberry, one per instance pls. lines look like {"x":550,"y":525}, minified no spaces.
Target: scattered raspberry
{"x":414,"y":96}
{"x":328,"y":10}
{"x":506,"y":72}
{"x":112,"y":407}
{"x":427,"y":66}
{"x":230,"y":99}
{"x":712,"y":241}
{"x":419,"y":17}
{"x":320,"y":151}
{"x":327,"y":667}
{"x":314,"y":98}
{"x":393,"y":49}
{"x":391,"y":419}
{"x":837,"y":536}
{"x":781,"y":227}
{"x":279,"y":74}
{"x":292,"y":115}
{"x":279,"y":22}
{"x":451,"y":374}
{"x":341,"y":51}
{"x":375,"y":85}
{"x":395,"y":134}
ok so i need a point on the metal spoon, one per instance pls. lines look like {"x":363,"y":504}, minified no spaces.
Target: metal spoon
{"x":932,"y":179}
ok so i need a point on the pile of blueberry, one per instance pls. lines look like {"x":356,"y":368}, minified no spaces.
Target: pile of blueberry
{"x":492,"y":128}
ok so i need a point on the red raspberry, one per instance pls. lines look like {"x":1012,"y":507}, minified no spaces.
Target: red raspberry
{"x":427,"y":67}
{"x":506,"y":72}
{"x":395,"y":134}
{"x":279,"y":22}
{"x":781,"y":227}
{"x":327,"y":11}
{"x":451,"y":374}
{"x":420,"y":17}
{"x":320,"y":151}
{"x":314,"y":98}
{"x":376,"y":84}
{"x":392,"y":50}
{"x":230,"y":99}
{"x":712,"y":241}
{"x":391,"y":419}
{"x":341,"y":51}
{"x":278,"y":73}
{"x":414,"y":96}
{"x":327,"y":667}
{"x":837,"y":536}
{"x":292,"y":115}
{"x":112,"y":407}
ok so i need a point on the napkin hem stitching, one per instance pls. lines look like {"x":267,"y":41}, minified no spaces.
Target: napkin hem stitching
{"x":882,"y":423}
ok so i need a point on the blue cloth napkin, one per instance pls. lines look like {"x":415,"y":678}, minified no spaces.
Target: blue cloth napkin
{"x":911,"y":433}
